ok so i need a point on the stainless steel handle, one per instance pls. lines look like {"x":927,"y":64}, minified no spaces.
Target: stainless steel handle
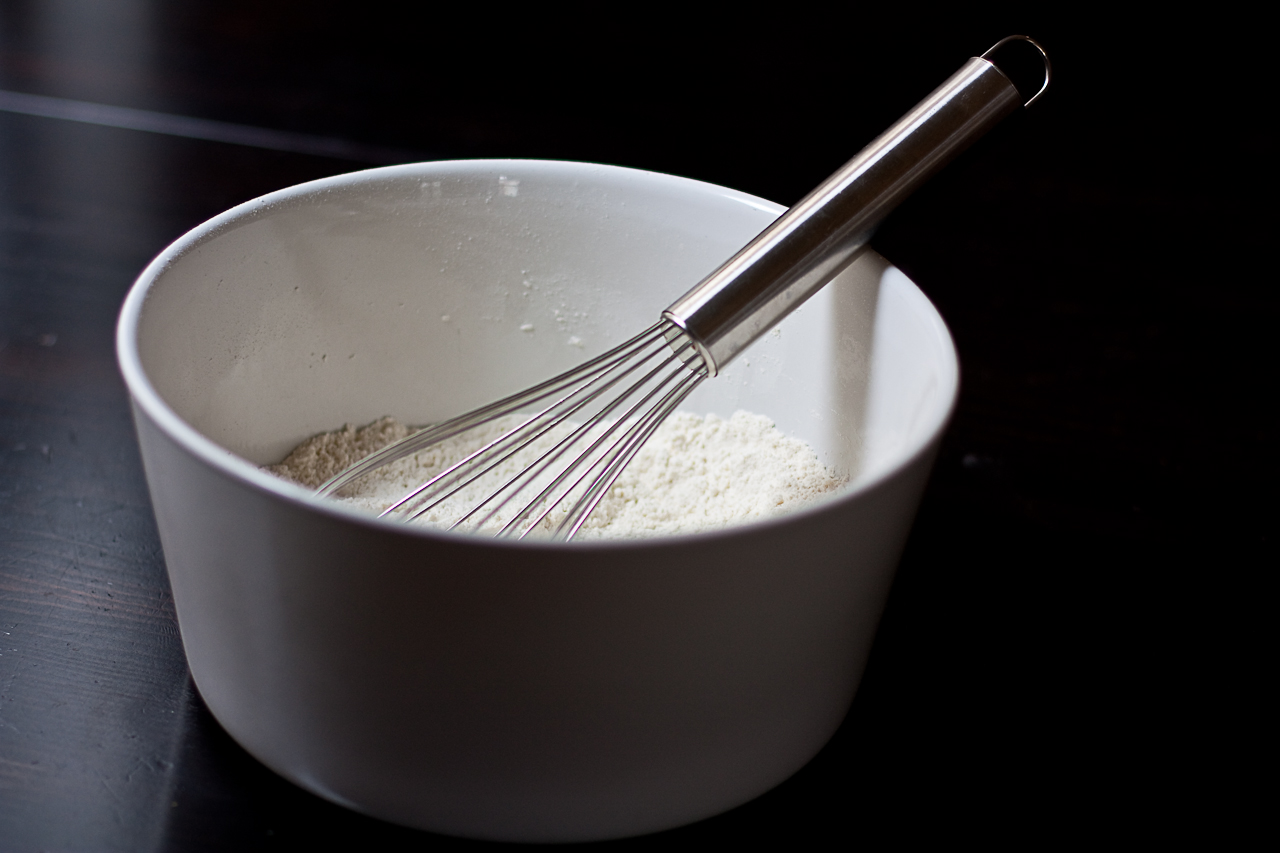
{"x":812,"y":242}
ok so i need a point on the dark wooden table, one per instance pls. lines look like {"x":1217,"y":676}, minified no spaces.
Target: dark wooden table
{"x":1061,"y":646}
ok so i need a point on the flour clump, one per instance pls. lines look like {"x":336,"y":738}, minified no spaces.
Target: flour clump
{"x":695,"y":474}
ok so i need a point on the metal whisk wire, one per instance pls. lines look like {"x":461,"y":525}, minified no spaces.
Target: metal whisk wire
{"x":621,"y":411}
{"x":613,"y":459}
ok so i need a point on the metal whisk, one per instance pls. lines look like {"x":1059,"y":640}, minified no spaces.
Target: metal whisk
{"x":578,"y":431}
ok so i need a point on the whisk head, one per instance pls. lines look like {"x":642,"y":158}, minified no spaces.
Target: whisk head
{"x":573,"y":437}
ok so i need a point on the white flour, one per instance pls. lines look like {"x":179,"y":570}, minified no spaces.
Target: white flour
{"x":694,"y":474}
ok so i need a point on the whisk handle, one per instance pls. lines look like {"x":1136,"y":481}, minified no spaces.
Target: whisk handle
{"x":814,"y":241}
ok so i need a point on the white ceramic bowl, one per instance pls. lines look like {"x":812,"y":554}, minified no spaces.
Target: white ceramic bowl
{"x":532,"y":691}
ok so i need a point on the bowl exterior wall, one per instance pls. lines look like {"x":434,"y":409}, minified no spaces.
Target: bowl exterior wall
{"x":530,"y":694}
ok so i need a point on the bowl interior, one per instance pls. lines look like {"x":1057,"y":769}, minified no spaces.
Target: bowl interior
{"x":423,"y":291}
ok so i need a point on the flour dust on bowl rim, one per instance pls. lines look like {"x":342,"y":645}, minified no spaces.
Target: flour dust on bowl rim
{"x":533,"y":691}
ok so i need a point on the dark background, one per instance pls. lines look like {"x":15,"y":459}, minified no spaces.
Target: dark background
{"x":1068,"y":649}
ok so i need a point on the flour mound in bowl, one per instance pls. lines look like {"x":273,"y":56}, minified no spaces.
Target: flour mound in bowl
{"x":693,"y":475}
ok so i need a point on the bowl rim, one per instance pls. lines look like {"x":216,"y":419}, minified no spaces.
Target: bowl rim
{"x":188,"y":438}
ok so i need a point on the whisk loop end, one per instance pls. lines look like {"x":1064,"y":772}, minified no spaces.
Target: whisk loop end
{"x":577,"y":433}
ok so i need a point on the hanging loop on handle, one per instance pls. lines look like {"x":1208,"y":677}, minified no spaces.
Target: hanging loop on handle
{"x":820,"y":236}
{"x":1048,"y":67}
